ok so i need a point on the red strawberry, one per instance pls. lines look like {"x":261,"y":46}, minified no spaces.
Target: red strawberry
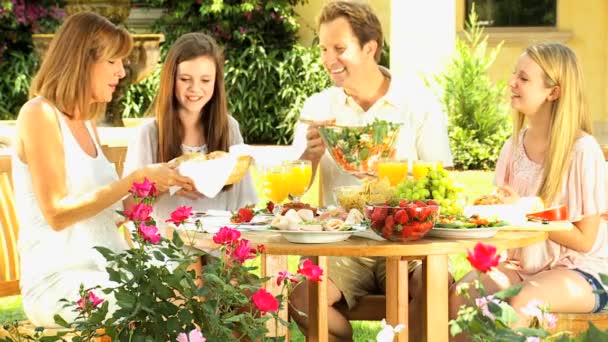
{"x":270,"y":207}
{"x":379,"y":214}
{"x":419,"y":203}
{"x":412,"y":212}
{"x":243,"y":215}
{"x":424,"y":213}
{"x":401,"y":216}
{"x":403,"y":203}
{"x":431,"y":202}
{"x":389,"y":227}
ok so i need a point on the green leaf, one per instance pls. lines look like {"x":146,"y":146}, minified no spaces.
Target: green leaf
{"x":60,"y":321}
{"x":177,"y":240}
{"x":107,"y":253}
{"x":508,"y":293}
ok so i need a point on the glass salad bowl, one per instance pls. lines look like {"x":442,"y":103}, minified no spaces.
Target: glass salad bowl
{"x":357,"y":149}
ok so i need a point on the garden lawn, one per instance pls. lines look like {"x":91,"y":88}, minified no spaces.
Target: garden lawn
{"x":475,"y":183}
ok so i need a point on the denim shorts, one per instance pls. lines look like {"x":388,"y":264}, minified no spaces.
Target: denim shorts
{"x":601,"y":299}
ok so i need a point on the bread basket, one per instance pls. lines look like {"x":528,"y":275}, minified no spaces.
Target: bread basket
{"x":238,"y":172}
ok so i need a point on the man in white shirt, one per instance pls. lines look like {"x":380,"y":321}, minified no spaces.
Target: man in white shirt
{"x":350,"y":38}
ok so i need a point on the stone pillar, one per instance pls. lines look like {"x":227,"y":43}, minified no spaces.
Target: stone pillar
{"x":422,"y":38}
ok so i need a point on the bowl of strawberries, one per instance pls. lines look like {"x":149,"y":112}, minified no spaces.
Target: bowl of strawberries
{"x":406,"y":221}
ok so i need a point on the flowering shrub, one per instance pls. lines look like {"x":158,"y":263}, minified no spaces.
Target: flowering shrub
{"x":158,"y":298}
{"x":491,"y":318}
{"x":19,"y":19}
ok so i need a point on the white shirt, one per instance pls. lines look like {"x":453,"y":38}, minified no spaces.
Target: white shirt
{"x":142,"y":151}
{"x":423,"y":135}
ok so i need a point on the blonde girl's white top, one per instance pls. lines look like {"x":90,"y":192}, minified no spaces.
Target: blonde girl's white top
{"x":142,"y":151}
{"x":584,"y":192}
{"x":55,"y":263}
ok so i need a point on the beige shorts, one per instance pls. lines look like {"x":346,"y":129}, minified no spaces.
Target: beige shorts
{"x":358,"y":276}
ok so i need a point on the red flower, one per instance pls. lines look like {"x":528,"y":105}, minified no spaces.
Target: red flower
{"x":140,"y":212}
{"x":149,"y":233}
{"x":261,"y":248}
{"x":310,"y":271}
{"x":144,"y":189}
{"x":483,"y":257}
{"x":243,"y":215}
{"x":226,"y":236}
{"x":265,"y":302}
{"x":180,"y":215}
{"x":286,"y":275}
{"x":270,"y":207}
{"x":243,"y":251}
{"x":93,"y":299}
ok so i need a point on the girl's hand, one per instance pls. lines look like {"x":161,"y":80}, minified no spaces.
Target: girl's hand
{"x":507,"y":195}
{"x":165,"y":176}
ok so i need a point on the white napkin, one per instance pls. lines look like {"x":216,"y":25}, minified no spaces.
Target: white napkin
{"x":209,"y":176}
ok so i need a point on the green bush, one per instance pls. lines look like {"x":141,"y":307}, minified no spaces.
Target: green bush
{"x":138,"y":97}
{"x":477,"y":112}
{"x":267,"y":88}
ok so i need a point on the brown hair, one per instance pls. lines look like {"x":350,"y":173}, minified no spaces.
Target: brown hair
{"x":214,"y":118}
{"x":64,"y":77}
{"x":361,"y":17}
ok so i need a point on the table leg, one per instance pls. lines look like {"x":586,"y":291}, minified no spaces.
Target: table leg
{"x":270,"y":266}
{"x":436,"y":280}
{"x":317,"y":305}
{"x":397,"y":295}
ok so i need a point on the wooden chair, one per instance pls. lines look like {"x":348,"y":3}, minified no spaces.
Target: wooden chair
{"x":577,"y":323}
{"x":9,"y":256}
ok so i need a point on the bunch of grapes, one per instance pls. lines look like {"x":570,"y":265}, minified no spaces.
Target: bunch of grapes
{"x":436,"y":185}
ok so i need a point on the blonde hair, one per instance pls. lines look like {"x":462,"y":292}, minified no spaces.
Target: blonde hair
{"x":64,"y":77}
{"x":569,"y":114}
{"x":362,"y":19}
{"x":214,"y":116}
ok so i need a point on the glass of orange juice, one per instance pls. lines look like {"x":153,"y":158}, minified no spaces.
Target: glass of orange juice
{"x":299,"y":174}
{"x":420,"y":168}
{"x":274,"y":182}
{"x":394,"y":170}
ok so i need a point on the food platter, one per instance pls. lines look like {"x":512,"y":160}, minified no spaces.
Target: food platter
{"x":302,"y":236}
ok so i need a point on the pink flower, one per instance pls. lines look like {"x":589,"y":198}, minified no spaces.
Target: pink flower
{"x":144,"y":189}
{"x":285,"y":275}
{"x":533,"y":309}
{"x":243,"y":251}
{"x":149,"y":233}
{"x":532,"y":339}
{"x":310,"y":271}
{"x":482,"y":303}
{"x":483,"y":257}
{"x":180,"y":215}
{"x":265,"y":302}
{"x":226,"y":236}
{"x":93,"y":299}
{"x":193,"y":336}
{"x":550,"y":320}
{"x":140,"y":212}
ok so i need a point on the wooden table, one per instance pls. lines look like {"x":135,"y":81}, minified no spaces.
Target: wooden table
{"x":432,"y":251}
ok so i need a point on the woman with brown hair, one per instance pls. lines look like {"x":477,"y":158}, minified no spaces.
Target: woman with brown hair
{"x":190,"y":115}
{"x":66,"y":190}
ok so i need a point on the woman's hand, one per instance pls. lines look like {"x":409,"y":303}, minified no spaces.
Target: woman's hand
{"x":165,"y":176}
{"x":507,"y":195}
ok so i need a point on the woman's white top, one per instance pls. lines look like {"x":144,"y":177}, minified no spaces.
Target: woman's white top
{"x":55,"y":263}
{"x":142,"y":151}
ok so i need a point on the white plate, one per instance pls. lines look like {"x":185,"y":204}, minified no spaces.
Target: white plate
{"x":212,"y":224}
{"x":464,"y":233}
{"x":301,"y":236}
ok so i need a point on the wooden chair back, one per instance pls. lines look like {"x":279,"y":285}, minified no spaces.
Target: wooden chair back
{"x":9,"y":255}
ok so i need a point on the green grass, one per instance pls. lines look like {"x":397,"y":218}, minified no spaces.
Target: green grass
{"x":475,"y":183}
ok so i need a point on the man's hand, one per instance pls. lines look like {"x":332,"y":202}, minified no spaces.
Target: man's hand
{"x":315,"y":147}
